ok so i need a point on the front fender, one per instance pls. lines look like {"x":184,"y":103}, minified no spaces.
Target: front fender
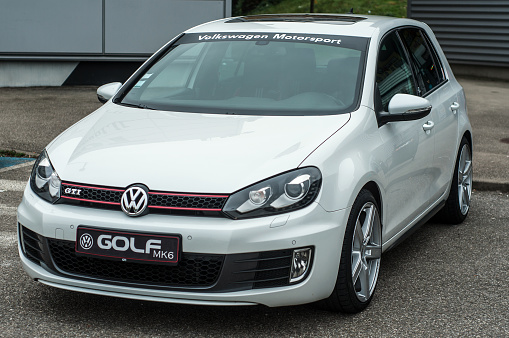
{"x":348,"y":161}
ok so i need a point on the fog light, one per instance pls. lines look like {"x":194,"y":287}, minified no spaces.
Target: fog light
{"x":300,"y":264}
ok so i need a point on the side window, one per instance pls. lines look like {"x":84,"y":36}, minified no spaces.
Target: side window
{"x":393,"y":74}
{"x":429,"y":72}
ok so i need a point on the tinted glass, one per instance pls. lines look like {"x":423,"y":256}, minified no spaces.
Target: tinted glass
{"x":428,"y":74}
{"x":393,"y":74}
{"x":256,"y":76}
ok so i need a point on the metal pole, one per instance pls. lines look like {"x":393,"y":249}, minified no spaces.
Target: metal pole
{"x":312,"y":6}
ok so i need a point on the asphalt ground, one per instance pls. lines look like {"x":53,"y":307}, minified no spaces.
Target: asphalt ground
{"x":443,"y":281}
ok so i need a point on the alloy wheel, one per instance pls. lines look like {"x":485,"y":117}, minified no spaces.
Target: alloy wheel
{"x":465,"y":179}
{"x":366,"y":251}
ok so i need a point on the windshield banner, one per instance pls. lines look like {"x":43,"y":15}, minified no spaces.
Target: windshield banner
{"x":330,"y":40}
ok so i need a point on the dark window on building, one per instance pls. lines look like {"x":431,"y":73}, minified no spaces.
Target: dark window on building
{"x":429,"y":72}
{"x":393,"y":74}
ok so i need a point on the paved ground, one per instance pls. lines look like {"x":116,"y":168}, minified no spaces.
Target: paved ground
{"x":31,"y":117}
{"x":443,"y":281}
{"x":489,"y":115}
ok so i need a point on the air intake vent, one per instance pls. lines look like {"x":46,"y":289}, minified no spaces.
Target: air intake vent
{"x":32,"y":245}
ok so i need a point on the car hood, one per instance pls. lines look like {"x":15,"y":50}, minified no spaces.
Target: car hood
{"x":170,"y":151}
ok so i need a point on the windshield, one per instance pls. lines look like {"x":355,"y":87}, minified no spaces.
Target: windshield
{"x":254,"y":74}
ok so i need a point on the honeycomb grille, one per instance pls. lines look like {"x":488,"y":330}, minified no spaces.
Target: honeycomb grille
{"x":195,"y":270}
{"x":179,"y":201}
{"x":91,"y":194}
{"x":109,"y":197}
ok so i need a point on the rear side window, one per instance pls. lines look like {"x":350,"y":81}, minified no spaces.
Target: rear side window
{"x":393,"y":74}
{"x":428,"y":69}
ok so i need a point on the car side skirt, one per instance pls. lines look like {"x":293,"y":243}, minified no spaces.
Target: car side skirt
{"x":415,"y":225}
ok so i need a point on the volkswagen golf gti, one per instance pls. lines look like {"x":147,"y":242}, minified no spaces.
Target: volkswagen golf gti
{"x":265,"y":159}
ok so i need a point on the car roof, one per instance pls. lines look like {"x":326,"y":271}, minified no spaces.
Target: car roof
{"x":334,"y":24}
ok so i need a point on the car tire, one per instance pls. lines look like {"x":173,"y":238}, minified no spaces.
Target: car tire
{"x":458,"y":203}
{"x":360,"y":258}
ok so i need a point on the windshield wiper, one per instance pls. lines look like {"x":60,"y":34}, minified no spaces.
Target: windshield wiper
{"x":142,"y":106}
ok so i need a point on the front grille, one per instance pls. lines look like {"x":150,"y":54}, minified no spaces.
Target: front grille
{"x":158,"y":201}
{"x":197,"y":270}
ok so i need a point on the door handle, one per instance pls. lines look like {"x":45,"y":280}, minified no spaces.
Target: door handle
{"x":428,"y":126}
{"x":454,"y":107}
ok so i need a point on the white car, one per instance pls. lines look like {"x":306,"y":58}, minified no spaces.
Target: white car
{"x":264,"y":159}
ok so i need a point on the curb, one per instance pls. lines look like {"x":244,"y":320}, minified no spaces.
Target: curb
{"x":490,"y":186}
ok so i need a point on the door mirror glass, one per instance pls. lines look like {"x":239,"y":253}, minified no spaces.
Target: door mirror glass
{"x":106,"y":92}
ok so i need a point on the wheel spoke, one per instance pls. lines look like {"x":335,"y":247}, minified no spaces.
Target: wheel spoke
{"x":466,"y":197}
{"x":467,"y":168}
{"x":356,"y":267}
{"x":368,"y":223}
{"x":461,"y":193}
{"x":364,"y":280}
{"x":373,"y":252}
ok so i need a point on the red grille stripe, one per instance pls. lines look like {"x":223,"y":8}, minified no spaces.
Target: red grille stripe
{"x":177,"y":208}
{"x":186,"y":195}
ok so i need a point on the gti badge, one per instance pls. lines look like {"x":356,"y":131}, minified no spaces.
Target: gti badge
{"x":134,"y":201}
{"x":72,"y":191}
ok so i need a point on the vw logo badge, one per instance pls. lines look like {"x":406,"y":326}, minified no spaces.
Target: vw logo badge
{"x":86,"y":241}
{"x":134,"y":201}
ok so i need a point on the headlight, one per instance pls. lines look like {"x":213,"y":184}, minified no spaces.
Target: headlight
{"x":283,"y":193}
{"x":44,"y":179}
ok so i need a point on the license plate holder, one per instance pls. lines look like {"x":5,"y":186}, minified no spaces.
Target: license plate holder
{"x":128,"y":246}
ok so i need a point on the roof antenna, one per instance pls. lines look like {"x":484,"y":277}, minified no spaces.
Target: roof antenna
{"x":351,"y":11}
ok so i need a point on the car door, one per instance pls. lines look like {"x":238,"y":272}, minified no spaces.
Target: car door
{"x":433,"y":85}
{"x":407,"y":151}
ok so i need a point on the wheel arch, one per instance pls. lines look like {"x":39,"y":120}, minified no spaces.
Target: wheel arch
{"x":373,"y":187}
{"x":468,"y":136}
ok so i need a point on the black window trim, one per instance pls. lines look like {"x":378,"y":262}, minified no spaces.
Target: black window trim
{"x":436,"y":59}
{"x":415,"y":74}
{"x":434,"y":55}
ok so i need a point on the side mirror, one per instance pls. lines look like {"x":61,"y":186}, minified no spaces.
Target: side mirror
{"x":106,"y":92}
{"x":405,"y":107}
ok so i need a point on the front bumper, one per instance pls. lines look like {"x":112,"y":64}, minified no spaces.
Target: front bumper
{"x":308,"y":227}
